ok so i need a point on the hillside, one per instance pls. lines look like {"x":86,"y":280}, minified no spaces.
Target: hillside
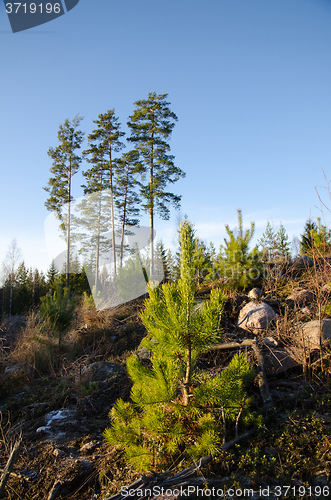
{"x":58,"y":398}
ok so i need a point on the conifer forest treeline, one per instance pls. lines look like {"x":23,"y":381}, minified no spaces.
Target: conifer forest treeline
{"x":125,"y":177}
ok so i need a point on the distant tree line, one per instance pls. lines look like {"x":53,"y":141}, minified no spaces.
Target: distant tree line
{"x":235,"y":264}
{"x":23,"y":287}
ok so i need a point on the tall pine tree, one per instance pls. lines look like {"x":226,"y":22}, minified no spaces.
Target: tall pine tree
{"x":104,"y":141}
{"x":151,"y":125}
{"x":65,"y":164}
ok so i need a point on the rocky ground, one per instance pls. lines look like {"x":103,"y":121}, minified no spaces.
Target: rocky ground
{"x":60,"y":406}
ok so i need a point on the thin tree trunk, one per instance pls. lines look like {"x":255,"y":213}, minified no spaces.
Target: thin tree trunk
{"x":68,"y":226}
{"x":151,"y":214}
{"x":187,"y":379}
{"x":10,"y":295}
{"x":98,"y":245}
{"x":124,"y":216}
{"x":112,"y":209}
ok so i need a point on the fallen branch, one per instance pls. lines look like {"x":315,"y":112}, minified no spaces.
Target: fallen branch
{"x":263,"y":384}
{"x":10,"y":463}
{"x":233,"y":345}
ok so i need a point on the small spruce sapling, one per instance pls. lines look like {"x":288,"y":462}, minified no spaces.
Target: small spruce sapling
{"x":177,"y":410}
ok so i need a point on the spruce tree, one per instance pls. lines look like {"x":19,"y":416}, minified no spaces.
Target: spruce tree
{"x":21,"y":298}
{"x":151,"y":125}
{"x":104,"y":141}
{"x":51,"y":274}
{"x":177,"y":409}
{"x":282,"y":243}
{"x":65,"y":164}
{"x":275,"y":245}
{"x":316,"y":238}
{"x":268,"y":243}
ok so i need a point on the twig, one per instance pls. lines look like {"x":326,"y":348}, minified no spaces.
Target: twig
{"x":125,"y":319}
{"x":10,"y":463}
{"x":229,"y":444}
{"x":224,"y":424}
{"x":239,"y":415}
{"x":55,"y":490}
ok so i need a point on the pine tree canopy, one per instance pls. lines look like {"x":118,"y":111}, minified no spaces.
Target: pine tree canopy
{"x":151,"y":125}
{"x":236,"y":263}
{"x":65,"y":164}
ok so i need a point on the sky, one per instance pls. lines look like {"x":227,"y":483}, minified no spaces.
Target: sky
{"x":248,"y":79}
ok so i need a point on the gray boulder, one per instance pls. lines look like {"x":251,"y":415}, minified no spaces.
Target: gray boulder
{"x":309,"y":335}
{"x":255,"y":294}
{"x":256,"y":317}
{"x":270,"y":342}
{"x":280,"y":360}
{"x":326,"y":290}
{"x":17,"y":372}
{"x":99,"y":371}
{"x":144,"y":354}
{"x":301,"y":263}
{"x":300,"y":297}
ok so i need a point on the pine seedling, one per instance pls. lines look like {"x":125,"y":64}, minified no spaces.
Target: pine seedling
{"x":176,"y":409}
{"x":57,"y":308}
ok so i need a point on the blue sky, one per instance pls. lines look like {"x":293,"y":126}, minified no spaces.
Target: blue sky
{"x":248,"y":79}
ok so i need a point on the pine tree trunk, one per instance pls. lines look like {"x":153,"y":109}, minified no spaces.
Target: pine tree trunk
{"x":98,"y":244}
{"x":112,"y":209}
{"x":68,"y":226}
{"x":187,"y":379}
{"x":151,"y":215}
{"x":124,"y":216}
